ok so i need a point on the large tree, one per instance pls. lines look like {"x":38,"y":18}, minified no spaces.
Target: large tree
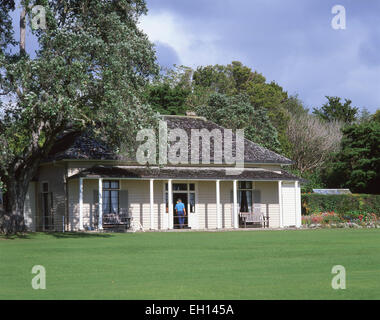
{"x":357,"y":165}
{"x":235,"y":78}
{"x":6,"y":34}
{"x":89,"y":71}
{"x":236,"y":112}
{"x":376,"y":116}
{"x":168,"y":93}
{"x":335,"y":110}
{"x":313,"y":140}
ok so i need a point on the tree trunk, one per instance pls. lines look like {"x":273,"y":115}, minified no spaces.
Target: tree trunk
{"x":16,"y":181}
{"x":12,"y":216}
{"x":16,"y":186}
{"x":22,"y":30}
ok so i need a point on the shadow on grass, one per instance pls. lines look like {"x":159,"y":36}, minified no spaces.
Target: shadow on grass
{"x":57,"y":235}
{"x":16,"y":236}
{"x":76,"y":235}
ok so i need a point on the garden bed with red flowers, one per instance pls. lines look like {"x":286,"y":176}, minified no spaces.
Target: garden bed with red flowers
{"x":350,"y":219}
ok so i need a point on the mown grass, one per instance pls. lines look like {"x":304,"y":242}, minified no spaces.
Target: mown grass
{"x":193,"y":265}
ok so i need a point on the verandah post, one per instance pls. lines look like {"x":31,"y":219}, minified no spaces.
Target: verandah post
{"x":80,"y":203}
{"x":280,"y":203}
{"x":298,"y":204}
{"x":151,"y":196}
{"x":170,"y":204}
{"x":218,"y":213}
{"x":236,"y":217}
{"x":100,"y":210}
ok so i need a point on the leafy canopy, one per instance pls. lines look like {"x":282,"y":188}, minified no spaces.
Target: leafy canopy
{"x":89,"y":73}
{"x":169,"y":92}
{"x":92,"y":64}
{"x":335,"y":110}
{"x":357,"y":165}
{"x":236,"y":112}
{"x":236,"y":78}
{"x":182,"y":89}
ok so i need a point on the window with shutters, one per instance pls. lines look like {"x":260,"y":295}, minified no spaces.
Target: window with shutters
{"x":111,"y":196}
{"x":247,"y":196}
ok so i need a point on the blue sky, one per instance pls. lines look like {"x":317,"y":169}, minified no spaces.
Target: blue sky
{"x":288,"y":41}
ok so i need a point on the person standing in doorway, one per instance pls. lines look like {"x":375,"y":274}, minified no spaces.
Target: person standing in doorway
{"x":181,"y":213}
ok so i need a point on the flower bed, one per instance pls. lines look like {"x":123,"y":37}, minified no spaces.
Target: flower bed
{"x":351,"y":219}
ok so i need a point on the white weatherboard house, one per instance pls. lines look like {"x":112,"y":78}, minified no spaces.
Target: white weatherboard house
{"x":84,"y":186}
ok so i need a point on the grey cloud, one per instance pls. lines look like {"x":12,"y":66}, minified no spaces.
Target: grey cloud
{"x":292,"y":42}
{"x":370,"y":50}
{"x":166,"y":55}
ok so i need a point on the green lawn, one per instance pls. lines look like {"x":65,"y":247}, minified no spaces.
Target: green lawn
{"x":193,"y":265}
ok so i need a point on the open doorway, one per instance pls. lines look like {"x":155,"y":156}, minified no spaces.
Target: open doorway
{"x":187,"y":193}
{"x":183,"y":197}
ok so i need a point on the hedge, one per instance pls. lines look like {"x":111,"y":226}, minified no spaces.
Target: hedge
{"x":313,"y":203}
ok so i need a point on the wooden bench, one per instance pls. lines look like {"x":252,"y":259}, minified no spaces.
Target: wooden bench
{"x":255,"y":217}
{"x":117,"y":219}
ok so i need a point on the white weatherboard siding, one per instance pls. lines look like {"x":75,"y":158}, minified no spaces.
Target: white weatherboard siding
{"x":159,"y":212}
{"x":207,"y":205}
{"x":30,"y":207}
{"x":298,"y":205}
{"x":54,"y":175}
{"x":226,"y":204}
{"x":269,"y":201}
{"x":138,"y":200}
{"x":89,"y":206}
{"x":73,"y":187}
{"x":139,"y":203}
{"x":289,"y":207}
{"x":162,"y":216}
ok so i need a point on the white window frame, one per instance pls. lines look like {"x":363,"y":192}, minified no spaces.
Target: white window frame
{"x":108,"y":189}
{"x":245,"y":189}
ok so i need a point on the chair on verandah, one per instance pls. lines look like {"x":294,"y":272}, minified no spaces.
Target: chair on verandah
{"x":256,"y":217}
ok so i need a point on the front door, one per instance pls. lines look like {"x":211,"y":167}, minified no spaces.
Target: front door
{"x":176,"y":221}
{"x":187,"y":193}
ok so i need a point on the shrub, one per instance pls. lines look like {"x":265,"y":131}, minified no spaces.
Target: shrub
{"x":342,"y":204}
{"x":322,"y":218}
{"x":359,"y":216}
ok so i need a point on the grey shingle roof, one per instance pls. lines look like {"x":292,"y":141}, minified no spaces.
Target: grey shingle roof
{"x":80,"y":146}
{"x":253,"y":153}
{"x":83,"y":146}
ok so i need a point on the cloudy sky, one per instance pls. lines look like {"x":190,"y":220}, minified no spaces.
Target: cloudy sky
{"x":289,"y":41}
